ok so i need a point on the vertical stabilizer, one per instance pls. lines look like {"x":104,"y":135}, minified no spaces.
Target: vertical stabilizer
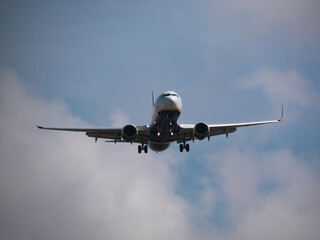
{"x":152,"y":99}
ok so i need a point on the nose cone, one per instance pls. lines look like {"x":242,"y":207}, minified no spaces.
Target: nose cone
{"x":168,"y":103}
{"x":172,"y":103}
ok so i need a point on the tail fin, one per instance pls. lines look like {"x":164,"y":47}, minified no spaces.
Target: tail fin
{"x":152,"y":99}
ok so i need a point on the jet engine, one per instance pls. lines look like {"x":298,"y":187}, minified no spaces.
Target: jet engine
{"x":129,"y":133}
{"x":201,"y":130}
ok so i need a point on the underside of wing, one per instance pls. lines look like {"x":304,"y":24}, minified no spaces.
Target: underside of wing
{"x":188,"y":132}
{"x":225,"y":129}
{"x":113,"y":134}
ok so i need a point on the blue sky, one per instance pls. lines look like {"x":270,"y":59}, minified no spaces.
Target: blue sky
{"x":95,"y":63}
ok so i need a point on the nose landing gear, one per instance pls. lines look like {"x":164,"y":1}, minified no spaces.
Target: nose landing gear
{"x":184,"y":146}
{"x":143,"y":147}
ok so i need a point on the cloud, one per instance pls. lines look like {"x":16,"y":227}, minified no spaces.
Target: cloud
{"x":269,"y":195}
{"x":64,"y":186}
{"x":284,"y":87}
{"x":119,"y":118}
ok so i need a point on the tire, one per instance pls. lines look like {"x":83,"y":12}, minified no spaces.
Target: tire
{"x":181,"y":148}
{"x":187,"y":147}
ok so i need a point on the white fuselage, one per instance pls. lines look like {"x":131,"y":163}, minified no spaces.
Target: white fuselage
{"x":164,"y":121}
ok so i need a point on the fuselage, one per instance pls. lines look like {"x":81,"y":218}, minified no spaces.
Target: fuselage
{"x":164,"y":121}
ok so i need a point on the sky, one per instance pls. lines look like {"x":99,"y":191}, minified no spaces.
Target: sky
{"x":95,"y":64}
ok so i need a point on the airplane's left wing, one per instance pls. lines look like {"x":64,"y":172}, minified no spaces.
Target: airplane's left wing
{"x":112,"y":134}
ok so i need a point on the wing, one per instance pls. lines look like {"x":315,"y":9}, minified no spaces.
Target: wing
{"x":187,"y":133}
{"x":112,"y":134}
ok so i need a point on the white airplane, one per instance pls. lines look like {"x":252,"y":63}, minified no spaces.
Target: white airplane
{"x":163,"y":128}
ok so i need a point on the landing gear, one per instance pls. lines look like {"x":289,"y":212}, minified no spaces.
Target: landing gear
{"x":143,"y":147}
{"x":184,"y":146}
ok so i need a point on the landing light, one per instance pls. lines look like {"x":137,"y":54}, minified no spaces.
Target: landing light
{"x":158,"y":133}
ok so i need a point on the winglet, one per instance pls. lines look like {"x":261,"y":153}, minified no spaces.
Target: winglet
{"x":281,"y":114}
{"x":40,"y":127}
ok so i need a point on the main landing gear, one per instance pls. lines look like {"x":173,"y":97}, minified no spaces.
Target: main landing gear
{"x":143,"y":147}
{"x":184,"y":146}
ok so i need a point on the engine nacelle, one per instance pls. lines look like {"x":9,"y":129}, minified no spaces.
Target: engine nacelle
{"x":201,"y":130}
{"x":129,"y":133}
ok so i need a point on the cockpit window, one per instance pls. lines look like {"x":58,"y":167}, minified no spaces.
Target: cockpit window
{"x":170,"y":94}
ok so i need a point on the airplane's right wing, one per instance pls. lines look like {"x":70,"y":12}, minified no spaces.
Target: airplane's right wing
{"x":188,"y":132}
{"x":218,"y":129}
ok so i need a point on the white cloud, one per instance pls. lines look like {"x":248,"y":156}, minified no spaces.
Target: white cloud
{"x":271,"y":195}
{"x":284,"y":87}
{"x":287,"y":87}
{"x":119,"y":118}
{"x":64,"y":186}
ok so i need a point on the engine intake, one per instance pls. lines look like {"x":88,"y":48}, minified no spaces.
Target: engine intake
{"x":129,"y":133}
{"x":201,"y":130}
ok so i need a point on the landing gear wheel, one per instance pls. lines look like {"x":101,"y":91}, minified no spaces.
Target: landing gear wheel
{"x":139,"y":149}
{"x":187,"y":147}
{"x":181,"y":148}
{"x":145,"y":148}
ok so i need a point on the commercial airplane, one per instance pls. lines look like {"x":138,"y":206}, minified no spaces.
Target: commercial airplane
{"x":163,"y":128}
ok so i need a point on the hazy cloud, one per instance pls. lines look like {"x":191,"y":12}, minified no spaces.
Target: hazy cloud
{"x":284,"y":87}
{"x":119,"y":118}
{"x":64,"y":186}
{"x":268,"y":195}
{"x":57,"y":185}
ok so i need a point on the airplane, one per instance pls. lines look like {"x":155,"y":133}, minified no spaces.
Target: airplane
{"x":164,"y":128}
